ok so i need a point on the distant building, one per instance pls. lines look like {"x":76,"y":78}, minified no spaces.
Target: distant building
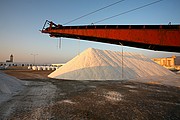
{"x":15,"y":64}
{"x":58,"y":65}
{"x":11,"y":62}
{"x":169,"y":62}
{"x":11,"y":59}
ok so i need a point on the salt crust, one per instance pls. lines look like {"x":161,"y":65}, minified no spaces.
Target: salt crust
{"x":9,"y":84}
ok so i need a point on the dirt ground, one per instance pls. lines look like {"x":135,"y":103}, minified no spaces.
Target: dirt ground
{"x":28,"y":74}
{"x":45,"y":98}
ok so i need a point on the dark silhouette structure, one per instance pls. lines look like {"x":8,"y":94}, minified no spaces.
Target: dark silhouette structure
{"x":11,"y":59}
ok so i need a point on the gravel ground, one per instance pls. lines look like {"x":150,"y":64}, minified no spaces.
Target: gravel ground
{"x":50,"y":99}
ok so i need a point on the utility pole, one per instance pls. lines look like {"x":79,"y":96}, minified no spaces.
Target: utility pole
{"x":34,"y":55}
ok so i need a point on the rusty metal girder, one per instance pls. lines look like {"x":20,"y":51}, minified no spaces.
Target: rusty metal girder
{"x":154,"y":37}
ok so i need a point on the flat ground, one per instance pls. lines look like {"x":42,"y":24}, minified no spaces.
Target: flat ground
{"x":45,"y":98}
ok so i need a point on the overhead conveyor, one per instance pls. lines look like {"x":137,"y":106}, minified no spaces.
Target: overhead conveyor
{"x":153,"y":37}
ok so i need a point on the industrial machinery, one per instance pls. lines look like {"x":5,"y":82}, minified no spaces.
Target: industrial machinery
{"x":154,"y":37}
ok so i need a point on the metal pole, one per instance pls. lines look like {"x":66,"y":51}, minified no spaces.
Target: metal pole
{"x":59,"y":43}
{"x":79,"y":45}
{"x":34,"y":59}
{"x":34,"y":56}
{"x":122,"y":60}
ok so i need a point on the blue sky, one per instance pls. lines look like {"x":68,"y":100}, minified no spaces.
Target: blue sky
{"x":21,"y":21}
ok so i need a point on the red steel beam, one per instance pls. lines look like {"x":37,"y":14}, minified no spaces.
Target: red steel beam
{"x":155,"y":37}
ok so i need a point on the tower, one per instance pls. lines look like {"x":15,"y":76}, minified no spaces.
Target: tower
{"x":11,"y":58}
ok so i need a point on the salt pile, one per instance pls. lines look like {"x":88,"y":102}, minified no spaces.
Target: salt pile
{"x":9,"y":84}
{"x":94,"y":64}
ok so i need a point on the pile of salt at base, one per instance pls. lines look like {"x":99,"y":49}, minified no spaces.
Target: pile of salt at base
{"x":95,"y":64}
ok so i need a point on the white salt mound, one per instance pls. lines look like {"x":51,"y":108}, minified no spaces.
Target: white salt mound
{"x":94,"y":64}
{"x":9,"y":84}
